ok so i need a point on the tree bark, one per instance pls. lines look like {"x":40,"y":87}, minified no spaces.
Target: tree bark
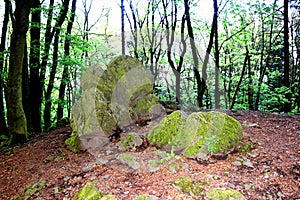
{"x":48,"y":102}
{"x":25,"y":90}
{"x":201,"y":82}
{"x":217,"y":57}
{"x":286,"y":78}
{"x":36,"y":94}
{"x":16,"y":118}
{"x":122,"y":27}
{"x":3,"y":125}
{"x":247,"y":57}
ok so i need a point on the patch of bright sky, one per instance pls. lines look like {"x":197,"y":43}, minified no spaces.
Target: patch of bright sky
{"x":204,"y":11}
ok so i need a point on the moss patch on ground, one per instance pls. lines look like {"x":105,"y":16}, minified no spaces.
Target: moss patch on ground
{"x":224,"y":194}
{"x":188,"y":185}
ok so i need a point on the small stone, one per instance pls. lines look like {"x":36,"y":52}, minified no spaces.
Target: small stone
{"x":106,"y":176}
{"x":236,"y":163}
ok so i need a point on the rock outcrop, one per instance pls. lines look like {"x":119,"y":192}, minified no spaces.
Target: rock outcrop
{"x":113,"y":99}
{"x":200,"y":132}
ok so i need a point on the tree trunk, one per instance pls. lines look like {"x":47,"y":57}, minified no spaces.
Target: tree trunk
{"x":48,"y":102}
{"x":48,"y":38}
{"x":65,"y":76}
{"x":286,"y":78}
{"x":36,"y":94}
{"x":8,"y":7}
{"x":241,"y":79}
{"x":122,"y":27}
{"x":16,"y":118}
{"x":217,"y":58}
{"x":201,"y":83}
{"x":25,"y":90}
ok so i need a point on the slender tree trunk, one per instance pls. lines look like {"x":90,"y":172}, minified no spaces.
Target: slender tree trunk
{"x":16,"y":118}
{"x":201,"y":82}
{"x":48,"y":102}
{"x":122,"y":27}
{"x":50,"y":32}
{"x":171,"y":29}
{"x":250,"y":87}
{"x":36,"y":94}
{"x":65,"y":76}
{"x":240,"y":80}
{"x":286,"y":78}
{"x":8,"y":7}
{"x":25,"y":90}
{"x":217,"y":58}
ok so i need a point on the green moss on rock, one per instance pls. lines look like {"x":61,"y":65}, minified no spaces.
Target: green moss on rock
{"x":88,"y":192}
{"x":130,"y":141}
{"x":143,"y":105}
{"x":216,"y":133}
{"x":115,"y":70}
{"x":165,"y":132}
{"x":73,"y":143}
{"x":104,"y":114}
{"x":188,"y":185}
{"x":224,"y":194}
{"x":211,"y":132}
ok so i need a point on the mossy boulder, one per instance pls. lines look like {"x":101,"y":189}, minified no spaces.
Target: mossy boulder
{"x":116,"y":98}
{"x":91,"y":192}
{"x":115,"y":70}
{"x":211,"y":132}
{"x":84,"y":113}
{"x":224,"y":194}
{"x":168,"y":129}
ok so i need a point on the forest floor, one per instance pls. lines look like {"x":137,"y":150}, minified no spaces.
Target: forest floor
{"x":272,"y":172}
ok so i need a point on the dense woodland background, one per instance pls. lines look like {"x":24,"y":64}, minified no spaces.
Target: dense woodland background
{"x":247,"y":57}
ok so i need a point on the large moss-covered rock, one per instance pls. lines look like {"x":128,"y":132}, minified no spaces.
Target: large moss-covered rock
{"x":168,"y":129}
{"x":115,"y":70}
{"x":116,"y":98}
{"x":212,"y":132}
{"x":84,"y":113}
{"x":105,"y":116}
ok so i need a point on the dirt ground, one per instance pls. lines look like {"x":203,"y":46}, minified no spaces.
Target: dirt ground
{"x":272,"y":172}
